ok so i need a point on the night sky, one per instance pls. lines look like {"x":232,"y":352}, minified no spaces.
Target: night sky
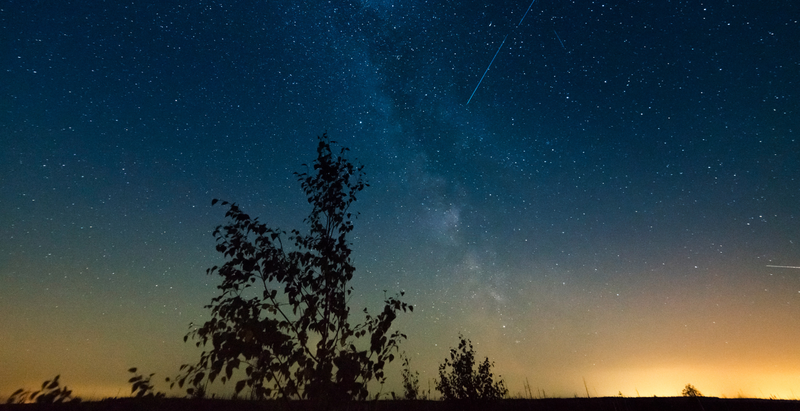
{"x":605,"y":209}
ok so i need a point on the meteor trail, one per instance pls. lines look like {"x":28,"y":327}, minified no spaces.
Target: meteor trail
{"x":498,"y":51}
{"x":782,"y":266}
{"x":526,"y":13}
{"x":559,"y":40}
{"x":488,"y":67}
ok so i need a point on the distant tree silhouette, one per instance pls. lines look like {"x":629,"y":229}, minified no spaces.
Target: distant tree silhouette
{"x":462,"y":381}
{"x":691,"y":391}
{"x":292,"y":336}
{"x":50,"y":393}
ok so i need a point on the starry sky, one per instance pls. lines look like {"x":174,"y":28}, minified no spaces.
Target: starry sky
{"x":597,"y":212}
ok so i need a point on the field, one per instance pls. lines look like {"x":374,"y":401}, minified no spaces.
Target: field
{"x":549,"y":404}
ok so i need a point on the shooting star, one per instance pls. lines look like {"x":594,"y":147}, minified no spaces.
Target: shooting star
{"x":498,"y":52}
{"x":559,"y":40}
{"x":783,"y":266}
{"x":526,"y":13}
{"x":487,"y":69}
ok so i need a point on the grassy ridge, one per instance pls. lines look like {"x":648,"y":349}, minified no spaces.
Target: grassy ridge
{"x":548,"y":404}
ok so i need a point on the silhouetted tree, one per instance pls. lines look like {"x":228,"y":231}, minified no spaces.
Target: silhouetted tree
{"x":293,"y":337}
{"x":50,"y":393}
{"x":691,"y":391}
{"x":462,"y":381}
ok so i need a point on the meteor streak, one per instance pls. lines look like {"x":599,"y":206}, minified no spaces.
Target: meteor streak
{"x":487,"y":69}
{"x":526,"y":13}
{"x":498,"y":52}
{"x":783,"y":266}
{"x":559,"y":40}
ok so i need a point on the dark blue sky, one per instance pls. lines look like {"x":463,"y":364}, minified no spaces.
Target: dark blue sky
{"x":619,"y":166}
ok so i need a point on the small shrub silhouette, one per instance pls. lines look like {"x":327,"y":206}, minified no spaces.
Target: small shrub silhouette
{"x":691,"y":391}
{"x":50,"y":393}
{"x":292,"y":336}
{"x":141,"y":387}
{"x":410,"y":381}
{"x":462,"y":381}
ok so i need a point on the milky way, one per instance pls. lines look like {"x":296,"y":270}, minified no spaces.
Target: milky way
{"x":613,"y":211}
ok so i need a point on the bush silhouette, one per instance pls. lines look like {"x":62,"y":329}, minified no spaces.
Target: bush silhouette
{"x":462,"y":381}
{"x":50,"y":393}
{"x":141,"y":387}
{"x":292,"y":336}
{"x":410,"y":381}
{"x":691,"y":391}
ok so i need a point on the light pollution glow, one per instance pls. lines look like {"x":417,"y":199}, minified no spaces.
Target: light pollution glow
{"x":640,"y":344}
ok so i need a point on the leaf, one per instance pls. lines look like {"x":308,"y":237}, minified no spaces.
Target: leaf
{"x":54,"y":384}
{"x":240,"y":385}
{"x":230,"y":367}
{"x":198,"y":378}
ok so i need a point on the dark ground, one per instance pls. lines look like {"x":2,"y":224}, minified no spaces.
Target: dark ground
{"x":550,"y":404}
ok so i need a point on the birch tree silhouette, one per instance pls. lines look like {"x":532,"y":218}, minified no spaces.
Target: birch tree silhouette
{"x":293,"y":337}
